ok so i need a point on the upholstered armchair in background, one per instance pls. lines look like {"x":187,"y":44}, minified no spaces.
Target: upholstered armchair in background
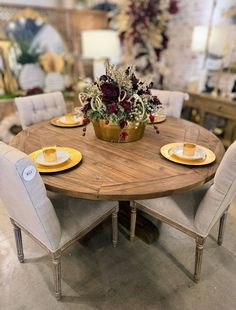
{"x":38,"y":108}
{"x":171,"y":100}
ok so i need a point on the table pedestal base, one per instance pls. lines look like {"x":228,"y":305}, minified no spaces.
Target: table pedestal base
{"x":145,"y":229}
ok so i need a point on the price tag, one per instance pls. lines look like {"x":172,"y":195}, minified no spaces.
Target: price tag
{"x":29,"y":173}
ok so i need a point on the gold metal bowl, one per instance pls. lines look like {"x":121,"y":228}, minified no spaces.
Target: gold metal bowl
{"x":113,"y":133}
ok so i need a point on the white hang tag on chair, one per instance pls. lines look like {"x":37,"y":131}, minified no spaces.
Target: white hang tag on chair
{"x":29,"y":173}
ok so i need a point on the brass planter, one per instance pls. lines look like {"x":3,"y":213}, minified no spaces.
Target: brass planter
{"x":112,"y":132}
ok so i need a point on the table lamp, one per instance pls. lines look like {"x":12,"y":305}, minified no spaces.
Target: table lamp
{"x":100,"y":45}
{"x":199,"y":39}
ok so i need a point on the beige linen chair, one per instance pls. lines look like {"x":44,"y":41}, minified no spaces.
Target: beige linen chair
{"x":24,"y":195}
{"x":172,"y":100}
{"x":38,"y":108}
{"x":196,"y":212}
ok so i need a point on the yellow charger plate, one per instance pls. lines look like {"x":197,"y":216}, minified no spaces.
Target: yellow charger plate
{"x":158,"y":119}
{"x":166,"y":151}
{"x":75,"y":158}
{"x":56,"y":122}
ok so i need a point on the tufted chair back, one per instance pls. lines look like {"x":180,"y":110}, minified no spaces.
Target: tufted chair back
{"x":38,"y":108}
{"x":220,"y":195}
{"x":25,"y":198}
{"x":172,"y":100}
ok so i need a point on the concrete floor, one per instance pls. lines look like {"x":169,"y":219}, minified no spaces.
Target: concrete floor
{"x":132,"y":276}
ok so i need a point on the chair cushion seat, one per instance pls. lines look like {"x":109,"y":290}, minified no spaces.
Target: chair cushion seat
{"x":178,"y":209}
{"x":77,"y":215}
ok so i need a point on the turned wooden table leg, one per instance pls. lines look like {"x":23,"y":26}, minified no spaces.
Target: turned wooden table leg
{"x":145,"y":229}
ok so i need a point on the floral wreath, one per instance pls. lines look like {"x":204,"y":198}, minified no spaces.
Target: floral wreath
{"x":9,"y":127}
{"x":143,"y":26}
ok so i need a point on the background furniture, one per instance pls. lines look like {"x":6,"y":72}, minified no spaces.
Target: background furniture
{"x":123,"y":171}
{"x":205,"y":104}
{"x":171,"y":100}
{"x":38,"y":108}
{"x":29,"y":208}
{"x":196,"y":212}
{"x":69,"y":23}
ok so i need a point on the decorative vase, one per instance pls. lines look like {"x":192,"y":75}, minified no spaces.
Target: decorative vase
{"x":54,"y":82}
{"x":31,"y":76}
{"x":113,"y":133}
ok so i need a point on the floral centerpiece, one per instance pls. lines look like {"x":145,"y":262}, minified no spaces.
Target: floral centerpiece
{"x":119,"y":105}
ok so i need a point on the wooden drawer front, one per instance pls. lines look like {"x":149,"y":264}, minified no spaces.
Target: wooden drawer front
{"x":215,"y":107}
{"x":221,"y":109}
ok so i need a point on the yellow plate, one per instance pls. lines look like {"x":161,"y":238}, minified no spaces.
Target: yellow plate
{"x":75,"y":158}
{"x":167,"y":153}
{"x":56,"y":122}
{"x":158,"y":119}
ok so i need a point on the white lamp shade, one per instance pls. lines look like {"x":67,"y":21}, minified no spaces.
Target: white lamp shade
{"x":100,"y":44}
{"x":222,"y":40}
{"x":199,"y":39}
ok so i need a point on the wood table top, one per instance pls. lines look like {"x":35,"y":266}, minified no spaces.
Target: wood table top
{"x":123,"y":171}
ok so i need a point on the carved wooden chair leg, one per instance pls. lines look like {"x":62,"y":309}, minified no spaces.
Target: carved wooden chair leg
{"x":19,"y":244}
{"x":133,"y":222}
{"x":56,"y":261}
{"x":222,"y":228}
{"x":198,"y":258}
{"x":115,"y":227}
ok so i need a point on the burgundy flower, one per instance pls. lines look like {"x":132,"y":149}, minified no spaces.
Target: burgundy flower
{"x":70,"y":88}
{"x":173,"y":9}
{"x":34,"y":91}
{"x":86,"y":107}
{"x":152,"y":118}
{"x":110,"y":92}
{"x":123,"y":122}
{"x":123,"y":135}
{"x":112,"y":108}
{"x":86,"y":121}
{"x":103,"y":78}
{"x":140,"y":92}
{"x":156,"y":101}
{"x":126,"y":105}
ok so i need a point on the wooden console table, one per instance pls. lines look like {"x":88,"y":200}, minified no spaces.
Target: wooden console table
{"x":226,"y":108}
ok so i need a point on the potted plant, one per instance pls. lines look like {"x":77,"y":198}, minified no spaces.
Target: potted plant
{"x":119,"y":104}
{"x":31,"y":75}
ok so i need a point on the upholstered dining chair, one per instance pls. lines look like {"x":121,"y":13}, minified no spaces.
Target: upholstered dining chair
{"x":38,"y":108}
{"x":196,"y":212}
{"x":56,"y":224}
{"x":171,"y":100}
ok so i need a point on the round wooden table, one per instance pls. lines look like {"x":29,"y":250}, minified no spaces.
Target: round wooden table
{"x":123,"y":171}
